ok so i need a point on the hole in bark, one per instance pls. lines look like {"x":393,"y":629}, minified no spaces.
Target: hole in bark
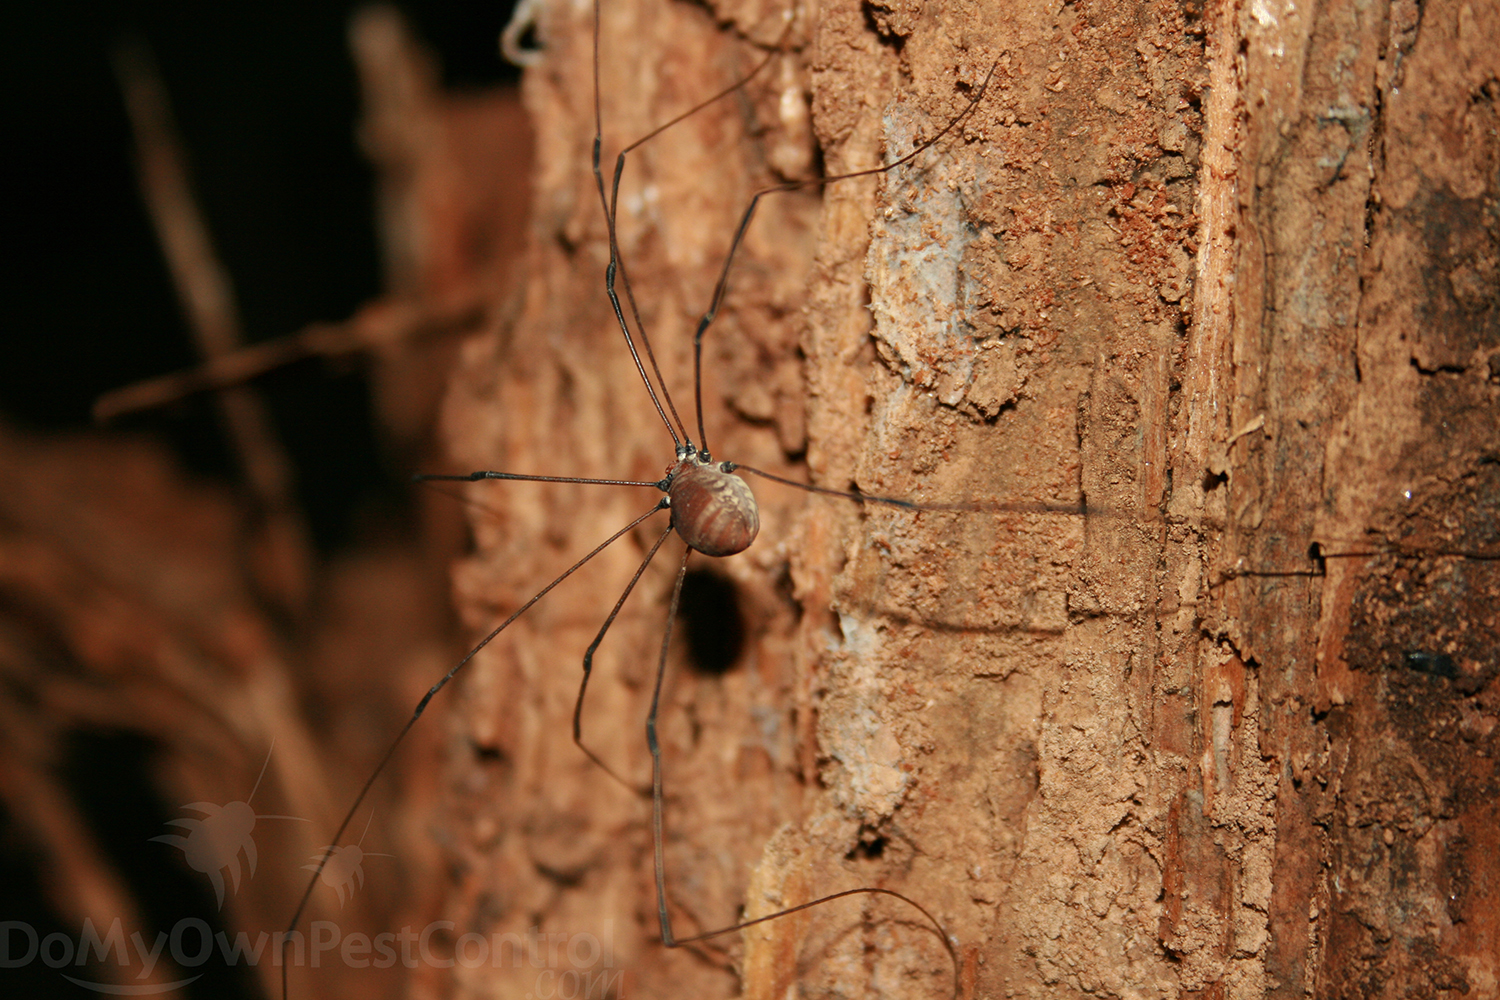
{"x":488,"y":754}
{"x":870,"y":847}
{"x":713,"y":627}
{"x":1424,"y":662}
{"x":1315,"y":554}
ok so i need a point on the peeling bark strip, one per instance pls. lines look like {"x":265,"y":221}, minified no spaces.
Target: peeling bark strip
{"x":1229,"y":275}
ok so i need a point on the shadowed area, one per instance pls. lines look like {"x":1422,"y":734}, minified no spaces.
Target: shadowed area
{"x":713,"y":629}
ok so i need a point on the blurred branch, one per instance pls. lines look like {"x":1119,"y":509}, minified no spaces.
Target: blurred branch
{"x":207,"y":297}
{"x":376,"y":327}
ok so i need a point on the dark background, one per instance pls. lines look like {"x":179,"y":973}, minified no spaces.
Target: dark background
{"x":266,"y":102}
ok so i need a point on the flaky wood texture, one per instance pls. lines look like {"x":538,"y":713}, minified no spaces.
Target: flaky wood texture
{"x":1228,"y":275}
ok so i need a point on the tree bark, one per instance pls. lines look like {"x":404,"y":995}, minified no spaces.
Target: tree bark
{"x":1227,"y":278}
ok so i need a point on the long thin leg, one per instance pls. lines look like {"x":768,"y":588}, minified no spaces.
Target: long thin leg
{"x":739,"y":235}
{"x":614,"y":298}
{"x":655,"y":748}
{"x":1080,"y":509}
{"x":474,"y":477}
{"x":588,"y":659}
{"x":416,"y":714}
{"x":610,"y":205}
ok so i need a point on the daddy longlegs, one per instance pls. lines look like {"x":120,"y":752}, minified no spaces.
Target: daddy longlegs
{"x":711,"y":508}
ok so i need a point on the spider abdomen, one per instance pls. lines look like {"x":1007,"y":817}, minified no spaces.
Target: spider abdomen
{"x":712,"y":510}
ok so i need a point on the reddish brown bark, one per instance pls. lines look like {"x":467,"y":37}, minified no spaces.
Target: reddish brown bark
{"x":1226,"y":274}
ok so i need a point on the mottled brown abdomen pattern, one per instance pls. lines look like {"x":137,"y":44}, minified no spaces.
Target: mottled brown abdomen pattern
{"x":714,"y":511}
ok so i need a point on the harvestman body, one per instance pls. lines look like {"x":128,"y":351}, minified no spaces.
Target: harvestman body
{"x":713,"y":510}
